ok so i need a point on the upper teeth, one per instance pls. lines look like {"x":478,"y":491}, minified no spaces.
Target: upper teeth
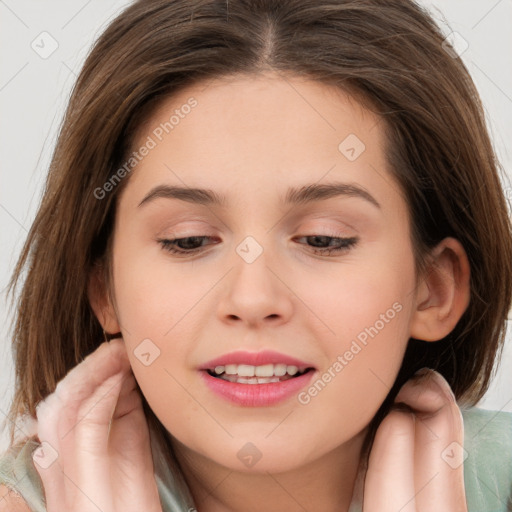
{"x":247,"y":370}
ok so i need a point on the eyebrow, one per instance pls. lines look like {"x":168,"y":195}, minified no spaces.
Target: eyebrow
{"x":294,"y":195}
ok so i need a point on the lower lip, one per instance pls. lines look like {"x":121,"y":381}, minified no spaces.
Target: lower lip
{"x":257,"y":395}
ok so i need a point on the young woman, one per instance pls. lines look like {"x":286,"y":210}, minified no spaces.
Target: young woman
{"x":260,"y":221}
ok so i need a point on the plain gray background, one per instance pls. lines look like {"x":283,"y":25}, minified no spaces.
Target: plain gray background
{"x":34,"y":89}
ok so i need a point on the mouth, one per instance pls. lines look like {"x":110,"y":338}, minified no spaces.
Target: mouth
{"x":264,"y":374}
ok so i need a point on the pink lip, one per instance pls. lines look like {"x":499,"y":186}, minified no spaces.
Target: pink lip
{"x":257,"y":395}
{"x":255,"y":359}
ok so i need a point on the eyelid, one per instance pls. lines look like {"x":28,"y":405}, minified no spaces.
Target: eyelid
{"x":326,"y":229}
{"x":187,"y":224}
{"x":191,"y":226}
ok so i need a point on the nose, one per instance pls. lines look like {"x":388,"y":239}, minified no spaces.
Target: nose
{"x":255,"y":291}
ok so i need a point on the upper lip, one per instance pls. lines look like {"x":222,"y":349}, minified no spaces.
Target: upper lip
{"x":255,"y":359}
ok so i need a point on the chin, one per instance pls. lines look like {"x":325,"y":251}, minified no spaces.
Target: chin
{"x":260,"y":457}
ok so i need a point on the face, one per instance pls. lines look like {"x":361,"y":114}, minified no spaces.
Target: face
{"x":328,"y":281}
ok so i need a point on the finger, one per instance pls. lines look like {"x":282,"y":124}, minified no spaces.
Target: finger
{"x":89,"y":469}
{"x":439,"y":470}
{"x":79,"y":393}
{"x":45,"y":461}
{"x":108,"y":359}
{"x":58,"y":416}
{"x":129,"y":397}
{"x":61,"y":407}
{"x":48,"y":459}
{"x":130,"y":450}
{"x":389,"y":482}
{"x":129,"y":431}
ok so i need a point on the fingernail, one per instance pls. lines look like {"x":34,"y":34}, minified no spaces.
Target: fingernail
{"x":423,"y":371}
{"x":439,"y":379}
{"x":443,"y":384}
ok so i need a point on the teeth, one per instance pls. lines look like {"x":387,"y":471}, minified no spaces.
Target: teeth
{"x":250,"y":380}
{"x":291,"y":370}
{"x":230,"y":369}
{"x":280,"y":369}
{"x":247,"y":370}
{"x":267,"y":370}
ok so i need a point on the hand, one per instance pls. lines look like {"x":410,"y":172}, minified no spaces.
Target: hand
{"x":96,"y":451}
{"x":412,"y":467}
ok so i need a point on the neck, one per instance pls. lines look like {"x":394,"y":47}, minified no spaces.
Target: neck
{"x":326,"y":483}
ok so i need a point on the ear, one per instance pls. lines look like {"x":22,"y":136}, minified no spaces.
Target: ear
{"x":443,"y":292}
{"x":100,"y":302}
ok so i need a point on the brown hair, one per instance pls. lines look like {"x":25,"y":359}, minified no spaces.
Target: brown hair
{"x":388,"y":54}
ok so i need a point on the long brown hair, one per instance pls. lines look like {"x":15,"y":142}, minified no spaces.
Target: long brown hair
{"x":388,"y":54}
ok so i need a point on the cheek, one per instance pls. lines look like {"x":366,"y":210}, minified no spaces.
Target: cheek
{"x":360,"y":371}
{"x":151,"y":296}
{"x":365,"y":299}
{"x":368,"y":320}
{"x":152,"y":312}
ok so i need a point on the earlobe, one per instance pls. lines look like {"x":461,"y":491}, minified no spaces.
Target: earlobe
{"x":100,"y":303}
{"x":443,"y":292}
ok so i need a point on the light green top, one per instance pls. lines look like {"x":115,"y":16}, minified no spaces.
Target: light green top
{"x":487,"y":469}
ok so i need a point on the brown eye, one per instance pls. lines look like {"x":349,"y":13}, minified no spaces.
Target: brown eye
{"x":341,"y":244}
{"x":186,"y":245}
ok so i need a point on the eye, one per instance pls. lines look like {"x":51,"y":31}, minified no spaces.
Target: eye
{"x":192,"y":244}
{"x":341,"y":244}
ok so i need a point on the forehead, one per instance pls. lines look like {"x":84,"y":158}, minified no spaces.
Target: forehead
{"x":278,"y":98}
{"x":251,"y":132}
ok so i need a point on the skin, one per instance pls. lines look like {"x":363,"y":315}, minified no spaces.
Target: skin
{"x":250,"y":139}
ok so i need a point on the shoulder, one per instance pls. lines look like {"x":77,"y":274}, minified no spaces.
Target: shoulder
{"x":21,"y":489}
{"x":11,"y":501}
{"x":487,"y":458}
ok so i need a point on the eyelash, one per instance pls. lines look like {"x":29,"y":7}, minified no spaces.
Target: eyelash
{"x":346,"y":244}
